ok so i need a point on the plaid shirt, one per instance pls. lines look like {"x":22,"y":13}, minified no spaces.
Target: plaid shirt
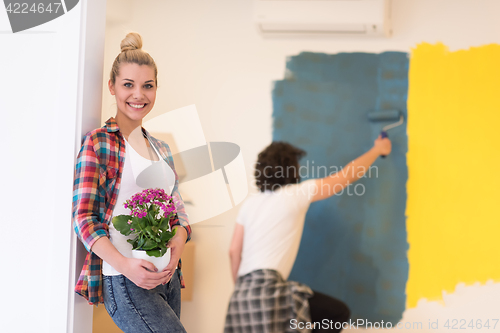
{"x":97,"y":179}
{"x":262,"y":302}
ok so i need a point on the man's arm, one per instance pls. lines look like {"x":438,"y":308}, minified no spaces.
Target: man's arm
{"x":328,"y":186}
{"x":235,"y":250}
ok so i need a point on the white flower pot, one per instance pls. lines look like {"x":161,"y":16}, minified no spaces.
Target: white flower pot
{"x":159,"y":262}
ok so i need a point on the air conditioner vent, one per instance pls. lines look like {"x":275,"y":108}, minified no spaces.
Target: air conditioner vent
{"x":344,"y":17}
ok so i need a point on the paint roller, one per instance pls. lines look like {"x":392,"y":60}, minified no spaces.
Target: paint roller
{"x":387,"y":115}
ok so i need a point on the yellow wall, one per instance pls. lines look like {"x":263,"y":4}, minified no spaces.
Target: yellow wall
{"x":454,"y":165}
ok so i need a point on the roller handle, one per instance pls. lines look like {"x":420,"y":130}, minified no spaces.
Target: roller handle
{"x":383,"y":135}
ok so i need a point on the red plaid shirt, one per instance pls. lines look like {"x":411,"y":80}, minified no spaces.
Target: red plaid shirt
{"x":97,"y":179}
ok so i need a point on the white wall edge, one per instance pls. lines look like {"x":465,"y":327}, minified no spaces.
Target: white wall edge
{"x":88,"y":116}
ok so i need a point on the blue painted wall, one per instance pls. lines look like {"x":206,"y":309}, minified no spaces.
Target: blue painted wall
{"x":354,"y":246}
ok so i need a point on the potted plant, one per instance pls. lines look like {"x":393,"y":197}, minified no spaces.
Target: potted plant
{"x":149,"y":221}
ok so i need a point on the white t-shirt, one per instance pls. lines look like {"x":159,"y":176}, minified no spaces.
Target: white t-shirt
{"x":273,"y":222}
{"x":134,"y":180}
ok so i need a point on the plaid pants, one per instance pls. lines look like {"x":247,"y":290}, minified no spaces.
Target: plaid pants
{"x":263,"y":302}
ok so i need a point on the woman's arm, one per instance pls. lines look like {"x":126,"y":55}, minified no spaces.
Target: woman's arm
{"x":336,"y":182}
{"x":176,"y":246}
{"x":236,"y":249}
{"x":182,"y":233}
{"x":86,"y":203}
{"x":181,"y":224}
{"x":182,"y":217}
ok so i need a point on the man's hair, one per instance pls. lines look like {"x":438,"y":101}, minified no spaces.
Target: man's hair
{"x":277,"y":165}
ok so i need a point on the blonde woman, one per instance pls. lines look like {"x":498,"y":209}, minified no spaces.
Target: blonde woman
{"x":135,"y":294}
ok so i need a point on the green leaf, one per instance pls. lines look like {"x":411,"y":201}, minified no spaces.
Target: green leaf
{"x":164,"y":223}
{"x":154,"y":253}
{"x":149,"y":244}
{"x":167,"y":235}
{"x":141,"y":242}
{"x":121,"y":224}
{"x":134,"y":243}
{"x":141,"y":222}
{"x":148,"y":231}
{"x":152,"y":219}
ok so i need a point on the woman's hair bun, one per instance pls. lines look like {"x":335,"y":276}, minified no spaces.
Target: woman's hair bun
{"x":133,"y":41}
{"x":132,"y":53}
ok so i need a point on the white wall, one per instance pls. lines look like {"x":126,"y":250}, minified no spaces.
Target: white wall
{"x":38,"y":94}
{"x":41,"y":92}
{"x":209,"y":54}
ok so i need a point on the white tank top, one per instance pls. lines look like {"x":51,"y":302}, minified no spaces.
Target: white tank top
{"x":273,"y":222}
{"x":158,"y":174}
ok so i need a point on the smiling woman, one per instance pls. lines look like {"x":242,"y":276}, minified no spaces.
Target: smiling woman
{"x":107,"y":167}
{"x":135,"y":93}
{"x":133,"y":82}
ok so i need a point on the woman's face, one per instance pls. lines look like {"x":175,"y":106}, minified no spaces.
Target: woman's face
{"x":134,"y":90}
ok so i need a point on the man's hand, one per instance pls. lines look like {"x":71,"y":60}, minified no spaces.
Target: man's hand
{"x":383,"y":146}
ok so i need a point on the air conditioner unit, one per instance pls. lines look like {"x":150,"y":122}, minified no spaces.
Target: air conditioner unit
{"x":343,"y":17}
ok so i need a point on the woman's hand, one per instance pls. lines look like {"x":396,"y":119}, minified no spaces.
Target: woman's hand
{"x":176,"y":246}
{"x":143,"y":273}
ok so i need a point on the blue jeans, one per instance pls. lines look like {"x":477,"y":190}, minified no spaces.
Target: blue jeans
{"x":138,"y":310}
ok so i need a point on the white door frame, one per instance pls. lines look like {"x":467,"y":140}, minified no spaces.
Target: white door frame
{"x":88,"y":117}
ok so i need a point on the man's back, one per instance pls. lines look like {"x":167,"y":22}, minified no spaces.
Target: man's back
{"x":273,"y":222}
